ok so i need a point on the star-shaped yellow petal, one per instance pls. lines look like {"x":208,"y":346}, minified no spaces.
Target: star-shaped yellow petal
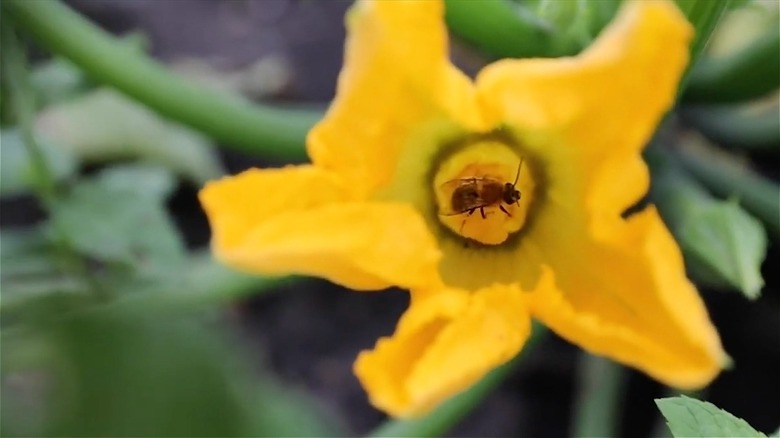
{"x":444,"y":343}
{"x":396,"y":78}
{"x":303,"y":220}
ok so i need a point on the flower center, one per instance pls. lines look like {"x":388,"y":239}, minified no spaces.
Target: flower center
{"x":483,"y":192}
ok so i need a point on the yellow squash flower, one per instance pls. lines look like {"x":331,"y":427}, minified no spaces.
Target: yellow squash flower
{"x":412,"y":184}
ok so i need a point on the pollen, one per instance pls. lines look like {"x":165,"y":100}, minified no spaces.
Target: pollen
{"x":473,"y":188}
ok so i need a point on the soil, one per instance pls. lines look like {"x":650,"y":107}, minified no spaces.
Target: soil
{"x":311,"y":333}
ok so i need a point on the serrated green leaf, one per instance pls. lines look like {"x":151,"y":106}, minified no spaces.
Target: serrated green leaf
{"x":691,"y":418}
{"x":16,"y":168}
{"x":105,"y":125}
{"x":118,"y":225}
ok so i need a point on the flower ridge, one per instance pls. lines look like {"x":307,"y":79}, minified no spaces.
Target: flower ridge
{"x":493,"y":201}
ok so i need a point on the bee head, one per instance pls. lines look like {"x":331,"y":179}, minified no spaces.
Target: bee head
{"x":511,"y":195}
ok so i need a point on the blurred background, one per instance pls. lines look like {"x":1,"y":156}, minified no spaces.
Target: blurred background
{"x":115,"y":322}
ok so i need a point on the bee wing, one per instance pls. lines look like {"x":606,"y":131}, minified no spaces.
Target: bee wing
{"x":477,"y":181}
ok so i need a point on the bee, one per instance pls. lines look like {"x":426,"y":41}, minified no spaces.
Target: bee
{"x":477,"y":193}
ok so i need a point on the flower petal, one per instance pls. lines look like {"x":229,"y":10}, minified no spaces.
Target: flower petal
{"x":627,"y":298}
{"x":396,"y":79}
{"x":301,"y":220}
{"x":444,"y":343}
{"x":598,"y":108}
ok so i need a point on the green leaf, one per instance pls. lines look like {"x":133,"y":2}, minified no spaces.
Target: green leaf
{"x":691,"y":418}
{"x":151,"y":180}
{"x":57,"y":80}
{"x":118,"y":224}
{"x":704,"y":15}
{"x":729,"y":176}
{"x":578,"y":22}
{"x":727,"y":241}
{"x":16,"y":167}
{"x":30,"y":268}
{"x":104,"y":125}
{"x":722,"y":244}
{"x":749,"y":73}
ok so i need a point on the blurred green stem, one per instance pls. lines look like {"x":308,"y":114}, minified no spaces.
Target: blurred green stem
{"x":502,"y":29}
{"x":601,"y":387}
{"x":746,"y":74}
{"x":722,"y":174}
{"x":275,"y":132}
{"x":737,"y":127}
{"x":16,"y":75}
{"x":448,"y":414}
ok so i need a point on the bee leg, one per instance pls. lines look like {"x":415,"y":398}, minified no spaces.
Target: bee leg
{"x":471,"y":211}
{"x":462,"y":224}
{"x":504,"y":210}
{"x":482,"y":212}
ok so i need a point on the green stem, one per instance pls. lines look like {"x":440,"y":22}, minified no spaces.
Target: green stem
{"x":501,"y":29}
{"x":448,"y":414}
{"x":16,"y":76}
{"x":749,"y":73}
{"x":722,"y":174}
{"x":276,"y":132}
{"x":737,"y":127}
{"x":598,"y":403}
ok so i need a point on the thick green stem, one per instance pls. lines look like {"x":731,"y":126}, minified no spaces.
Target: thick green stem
{"x":275,"y":132}
{"x":502,"y":29}
{"x":749,"y":73}
{"x":448,"y":414}
{"x":598,"y":402}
